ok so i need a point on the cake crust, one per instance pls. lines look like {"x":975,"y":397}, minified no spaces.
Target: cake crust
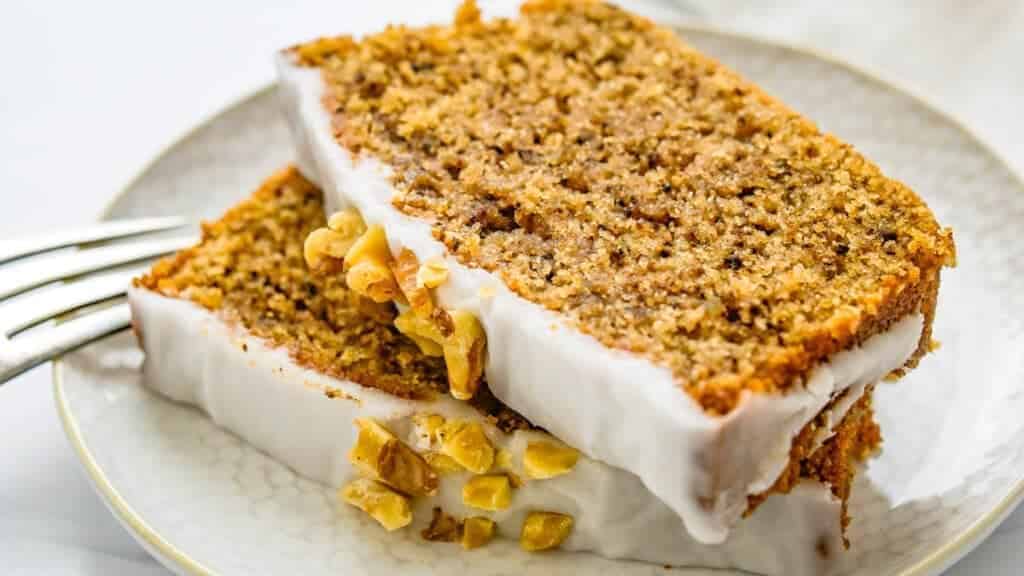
{"x":664,"y":205}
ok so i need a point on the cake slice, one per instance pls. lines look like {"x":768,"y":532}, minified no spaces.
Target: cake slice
{"x":668,"y":268}
{"x":312,"y":373}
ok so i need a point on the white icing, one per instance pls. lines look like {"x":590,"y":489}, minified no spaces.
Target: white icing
{"x":614,"y":406}
{"x":260,"y":394}
{"x":835,"y":414}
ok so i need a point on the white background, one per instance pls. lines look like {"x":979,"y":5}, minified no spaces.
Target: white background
{"x":93,"y":90}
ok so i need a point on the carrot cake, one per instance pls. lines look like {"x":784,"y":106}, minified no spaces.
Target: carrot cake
{"x":240,"y":328}
{"x":644,"y":253}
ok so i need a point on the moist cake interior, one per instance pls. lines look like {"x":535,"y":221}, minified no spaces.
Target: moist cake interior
{"x":249,"y":270}
{"x":610,"y":173}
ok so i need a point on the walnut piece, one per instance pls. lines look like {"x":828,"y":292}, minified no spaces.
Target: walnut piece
{"x":464,"y":352}
{"x":325,"y":248}
{"x":368,"y":264}
{"x":426,"y":427}
{"x":348,"y":223}
{"x":464,"y":348}
{"x":387,"y":507}
{"x":467,"y":443}
{"x":477,"y":531}
{"x":443,"y":527}
{"x":406,"y":270}
{"x":422,"y":331}
{"x":491,"y":492}
{"x":442,"y":463}
{"x":547,"y":459}
{"x":378,"y":454}
{"x":433,"y":273}
{"x":544,"y":531}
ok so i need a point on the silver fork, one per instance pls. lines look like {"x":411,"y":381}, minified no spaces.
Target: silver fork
{"x":25,"y":266}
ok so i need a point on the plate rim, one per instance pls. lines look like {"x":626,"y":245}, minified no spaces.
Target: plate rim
{"x":154,"y":543}
{"x":165,"y":552}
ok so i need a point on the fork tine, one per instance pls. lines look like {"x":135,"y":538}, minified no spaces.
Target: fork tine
{"x":46,"y":305}
{"x":35,"y":273}
{"x":11,"y":250}
{"x":34,"y":349}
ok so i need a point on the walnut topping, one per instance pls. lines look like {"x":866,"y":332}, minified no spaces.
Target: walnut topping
{"x":380,"y":455}
{"x":325,"y":248}
{"x":544,"y":531}
{"x":463,"y":349}
{"x":442,"y":463}
{"x":427,"y":426}
{"x":467,"y":443}
{"x":374,"y":274}
{"x":503,"y":459}
{"x":547,"y":459}
{"x":422,"y":331}
{"x":477,"y":531}
{"x":348,"y":223}
{"x":383,"y":504}
{"x":406,"y":270}
{"x":443,"y":527}
{"x":464,"y":354}
{"x":368,"y":263}
{"x":492,"y":492}
{"x":433,"y":273}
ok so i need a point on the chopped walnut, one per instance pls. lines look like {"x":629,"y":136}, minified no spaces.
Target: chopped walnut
{"x":467,"y":443}
{"x":544,"y":531}
{"x":406,"y":270}
{"x":547,"y":459}
{"x":382,"y":456}
{"x":426,"y":427}
{"x":491,"y":492}
{"x":463,"y":349}
{"x":477,"y":531}
{"x":383,"y":504}
{"x":422,"y":331}
{"x":433,"y":273}
{"x":368,"y":263}
{"x":348,"y":223}
{"x":443,"y":527}
{"x":442,"y":463}
{"x":464,"y":353}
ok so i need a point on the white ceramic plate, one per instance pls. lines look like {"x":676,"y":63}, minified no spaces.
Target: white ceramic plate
{"x":204,"y":502}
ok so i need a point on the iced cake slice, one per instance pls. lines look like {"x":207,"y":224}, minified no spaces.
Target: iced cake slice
{"x":318,"y":377}
{"x":670,"y":270}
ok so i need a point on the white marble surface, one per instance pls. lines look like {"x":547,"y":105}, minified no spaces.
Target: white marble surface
{"x":93,"y":90}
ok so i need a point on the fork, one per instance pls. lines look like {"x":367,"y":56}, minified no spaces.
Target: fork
{"x":32,"y":263}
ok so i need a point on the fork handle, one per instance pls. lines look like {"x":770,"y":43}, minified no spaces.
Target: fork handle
{"x":33,"y":349}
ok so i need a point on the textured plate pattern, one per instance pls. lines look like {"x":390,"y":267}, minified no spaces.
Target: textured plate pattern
{"x":954,"y":441}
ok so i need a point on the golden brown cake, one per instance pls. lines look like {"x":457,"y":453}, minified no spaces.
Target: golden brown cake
{"x":642,"y":235}
{"x":238,"y":326}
